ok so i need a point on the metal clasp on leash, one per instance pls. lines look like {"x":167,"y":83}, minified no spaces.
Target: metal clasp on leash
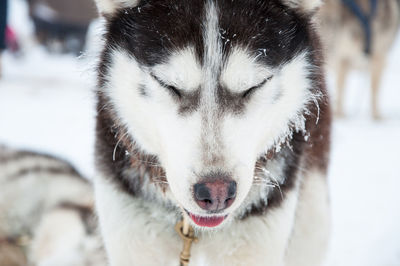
{"x":186,"y":232}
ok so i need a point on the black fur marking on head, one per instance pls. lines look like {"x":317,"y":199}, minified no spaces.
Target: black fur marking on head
{"x":154,"y":29}
{"x":265,"y":28}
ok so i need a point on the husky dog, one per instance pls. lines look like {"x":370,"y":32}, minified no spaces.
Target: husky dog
{"x":216,"y":111}
{"x":345,"y":40}
{"x":46,"y":215}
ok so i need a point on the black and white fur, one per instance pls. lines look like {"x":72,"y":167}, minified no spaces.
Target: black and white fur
{"x":194,"y":90}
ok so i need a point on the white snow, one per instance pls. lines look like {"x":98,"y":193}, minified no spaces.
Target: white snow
{"x":47,"y":104}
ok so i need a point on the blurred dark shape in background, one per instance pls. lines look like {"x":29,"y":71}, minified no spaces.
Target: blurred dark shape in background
{"x":60,"y":25}
{"x":3,"y":24}
{"x":358,"y":35}
{"x":8,"y":39}
{"x":364,"y":18}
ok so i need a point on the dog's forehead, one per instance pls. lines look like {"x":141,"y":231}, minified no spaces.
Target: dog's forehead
{"x":239,"y":70}
{"x":155,"y":30}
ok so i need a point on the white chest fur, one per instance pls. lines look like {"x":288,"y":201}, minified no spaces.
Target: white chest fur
{"x":140,"y":233}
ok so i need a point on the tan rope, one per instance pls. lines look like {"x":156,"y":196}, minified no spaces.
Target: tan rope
{"x":186,"y":225}
{"x":186,"y":232}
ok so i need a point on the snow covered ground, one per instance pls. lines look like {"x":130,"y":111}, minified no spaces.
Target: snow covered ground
{"x":47,"y":104}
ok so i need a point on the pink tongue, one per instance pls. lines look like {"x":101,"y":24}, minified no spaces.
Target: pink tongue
{"x":207,"y":221}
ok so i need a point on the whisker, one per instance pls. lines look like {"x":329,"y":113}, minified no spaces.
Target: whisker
{"x":260,"y":168}
{"x":264,"y":184}
{"x":161,"y":182}
{"x":268,"y":179}
{"x":116,"y":145}
{"x":277,"y":184}
{"x":263,"y":181}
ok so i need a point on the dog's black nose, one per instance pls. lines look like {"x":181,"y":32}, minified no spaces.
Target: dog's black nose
{"x":215,"y":196}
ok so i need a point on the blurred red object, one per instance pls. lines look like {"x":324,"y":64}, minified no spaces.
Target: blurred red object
{"x":12,"y":40}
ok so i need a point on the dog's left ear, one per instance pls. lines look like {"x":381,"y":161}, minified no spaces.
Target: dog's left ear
{"x":305,"y":6}
{"x":108,"y":7}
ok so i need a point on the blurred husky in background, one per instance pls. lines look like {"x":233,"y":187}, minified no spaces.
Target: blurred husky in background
{"x":46,"y":213}
{"x":358,"y":34}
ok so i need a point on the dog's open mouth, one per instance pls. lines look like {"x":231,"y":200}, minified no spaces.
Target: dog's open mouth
{"x":207,"y":221}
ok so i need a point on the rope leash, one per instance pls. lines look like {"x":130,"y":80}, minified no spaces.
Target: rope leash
{"x":186,"y":233}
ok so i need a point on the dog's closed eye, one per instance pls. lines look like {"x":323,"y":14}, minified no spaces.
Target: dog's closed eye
{"x":172,"y":89}
{"x":251,"y":90}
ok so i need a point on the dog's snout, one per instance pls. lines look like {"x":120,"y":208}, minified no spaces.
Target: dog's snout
{"x":215,"y":196}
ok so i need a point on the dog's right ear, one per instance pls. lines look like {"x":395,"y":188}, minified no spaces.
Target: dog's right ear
{"x":108,"y":7}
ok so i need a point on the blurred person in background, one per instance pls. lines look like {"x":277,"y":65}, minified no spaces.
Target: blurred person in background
{"x":358,"y":34}
{"x":61,"y":26}
{"x":3,"y":23}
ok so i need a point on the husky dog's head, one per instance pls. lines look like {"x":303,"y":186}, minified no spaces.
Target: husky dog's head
{"x":208,"y":87}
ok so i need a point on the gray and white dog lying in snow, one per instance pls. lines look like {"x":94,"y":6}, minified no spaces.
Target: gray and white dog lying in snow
{"x":216,"y":111}
{"x":46,"y":213}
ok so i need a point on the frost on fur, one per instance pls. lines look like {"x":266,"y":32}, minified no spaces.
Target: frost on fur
{"x":110,"y":6}
{"x":297,"y":120}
